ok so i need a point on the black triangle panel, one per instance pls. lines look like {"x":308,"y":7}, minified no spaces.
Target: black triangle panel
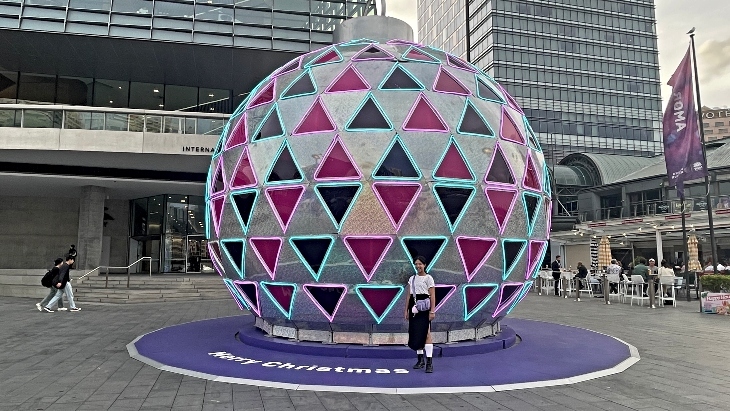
{"x":244,"y":204}
{"x":373,"y":53}
{"x":441,"y":293}
{"x":250,"y":290}
{"x":400,"y":80}
{"x":500,"y":172}
{"x":453,"y":200}
{"x":218,"y":184}
{"x":338,"y":199}
{"x":285,"y":169}
{"x":235,"y":250}
{"x":512,"y":250}
{"x":509,"y":290}
{"x":425,"y":247}
{"x":531,"y":202}
{"x":397,"y":164}
{"x":313,"y":250}
{"x":369,"y":117}
{"x":327,"y":297}
{"x":271,"y":127}
{"x":486,"y":92}
{"x":473,"y":123}
{"x":303,"y":85}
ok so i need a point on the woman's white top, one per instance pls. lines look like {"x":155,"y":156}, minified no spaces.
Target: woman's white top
{"x":666,"y":272}
{"x":421,"y":283}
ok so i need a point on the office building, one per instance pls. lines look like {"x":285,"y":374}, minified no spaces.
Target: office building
{"x":109,"y":112}
{"x":716,"y":123}
{"x":585,"y":71}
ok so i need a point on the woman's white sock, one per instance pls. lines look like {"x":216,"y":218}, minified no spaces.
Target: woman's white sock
{"x":429,"y":350}
{"x":419,"y":352}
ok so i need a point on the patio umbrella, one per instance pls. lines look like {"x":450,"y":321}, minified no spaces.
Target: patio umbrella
{"x":604,"y":252}
{"x":694,"y":260}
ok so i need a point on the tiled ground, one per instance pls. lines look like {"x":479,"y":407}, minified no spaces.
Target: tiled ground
{"x":78,"y":361}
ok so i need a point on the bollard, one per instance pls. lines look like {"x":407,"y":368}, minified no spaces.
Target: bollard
{"x":651,"y":290}
{"x":606,"y":289}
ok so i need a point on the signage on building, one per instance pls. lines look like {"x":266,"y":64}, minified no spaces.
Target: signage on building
{"x":700,"y":205}
{"x":194,"y":149}
{"x":710,"y":114}
{"x":663,"y":208}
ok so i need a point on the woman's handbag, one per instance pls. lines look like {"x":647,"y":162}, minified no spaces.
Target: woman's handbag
{"x":421,"y":305}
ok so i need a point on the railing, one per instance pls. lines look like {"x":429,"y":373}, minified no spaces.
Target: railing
{"x":106,"y":281}
{"x":658,"y":208}
{"x":110,"y":119}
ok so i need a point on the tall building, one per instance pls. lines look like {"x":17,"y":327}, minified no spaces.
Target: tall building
{"x":585,"y":71}
{"x":716,"y":123}
{"x":110,"y":110}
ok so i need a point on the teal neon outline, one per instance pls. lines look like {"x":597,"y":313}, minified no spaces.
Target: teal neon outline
{"x":304,"y":261}
{"x":531,"y":132}
{"x":207,"y":181}
{"x":505,"y":271}
{"x":486,"y":83}
{"x":531,"y":225}
{"x":362,"y":104}
{"x":382,"y":159}
{"x":363,"y":40}
{"x":420,"y":50}
{"x":424,"y":237}
{"x":283,"y":95}
{"x":463,"y":210}
{"x":220,"y":144}
{"x":276,"y":303}
{"x":332,"y":48}
{"x":546,"y":185}
{"x":207,"y":219}
{"x":234,"y":291}
{"x":349,"y":208}
{"x":253,"y":138}
{"x":525,"y":289}
{"x":468,"y":315}
{"x":239,"y":270}
{"x":461,"y":153}
{"x":390,"y":306}
{"x":285,"y":143}
{"x":536,"y":269}
{"x":463,"y":113}
{"x":244,"y":227}
{"x":408,"y":73}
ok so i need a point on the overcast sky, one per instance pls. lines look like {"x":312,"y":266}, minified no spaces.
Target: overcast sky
{"x":674,"y":19}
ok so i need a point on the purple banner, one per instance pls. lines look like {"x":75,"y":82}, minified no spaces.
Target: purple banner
{"x":682,"y":145}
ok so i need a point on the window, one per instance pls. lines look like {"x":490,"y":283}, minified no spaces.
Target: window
{"x":74,"y":90}
{"x":146,"y":96}
{"x":111,"y":93}
{"x":181,"y":98}
{"x":719,"y":123}
{"x":36,"y":88}
{"x":8,"y":86}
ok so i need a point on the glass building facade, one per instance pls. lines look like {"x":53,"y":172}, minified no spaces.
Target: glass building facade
{"x":585,"y":71}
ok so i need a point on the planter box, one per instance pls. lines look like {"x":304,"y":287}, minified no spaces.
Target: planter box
{"x":715,"y":303}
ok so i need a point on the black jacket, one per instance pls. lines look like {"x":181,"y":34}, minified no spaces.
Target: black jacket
{"x":62,"y":277}
{"x":582,"y":272}
{"x":556,"y":267}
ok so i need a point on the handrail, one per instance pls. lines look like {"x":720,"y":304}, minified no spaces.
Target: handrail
{"x":107,"y":267}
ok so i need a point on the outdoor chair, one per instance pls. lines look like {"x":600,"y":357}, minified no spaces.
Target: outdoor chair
{"x":637,"y":293}
{"x":624,"y":286}
{"x":566,"y":277}
{"x":666,"y":286}
{"x":614,"y":279}
{"x":678,"y":285}
{"x":585,"y":286}
{"x":548,"y":282}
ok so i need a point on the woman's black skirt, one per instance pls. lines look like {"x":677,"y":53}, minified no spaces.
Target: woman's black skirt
{"x":418,"y":325}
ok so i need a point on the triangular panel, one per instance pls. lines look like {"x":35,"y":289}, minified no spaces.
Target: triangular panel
{"x":423,"y":117}
{"x":265,"y":96}
{"x":531,"y":181}
{"x":368,"y":252}
{"x":397,"y":163}
{"x":459,"y":63}
{"x":453,"y":199}
{"x":284,"y":169}
{"x":218,"y":182}
{"x":327,"y":297}
{"x":337,"y":164}
{"x":512,"y":251}
{"x":289,"y":67}
{"x":234,"y":250}
{"x":400,"y":79}
{"x":532,"y":203}
{"x":477,"y":296}
{"x":523,"y":293}
{"x":511,"y":100}
{"x":546,"y":183}
{"x":317,"y":120}
{"x":442,"y":293}
{"x":372,"y":52}
{"x":379,"y":299}
{"x":396,"y":199}
{"x":369,"y":116}
{"x":302,"y":86}
{"x":532,"y":139}
{"x":502,"y":201}
{"x":235,"y":294}
{"x":485,"y":92}
{"x":509,"y":130}
{"x":238,"y":136}
{"x":508,"y":292}
{"x":446,"y":83}
{"x":416,"y":54}
{"x":216,"y":211}
{"x":349,"y":80}
{"x":284,"y":201}
{"x":473,"y":123}
{"x":337,"y":199}
{"x":428,"y":247}
{"x":267,"y":249}
{"x":500,"y":172}
{"x":282,"y":295}
{"x":271,"y":127}
{"x":250,"y":293}
{"x":244,"y":174}
{"x":330,"y":55}
{"x":243,"y":203}
{"x":313,"y":252}
{"x":453,"y":165}
{"x":535,"y":253}
{"x":474,"y":252}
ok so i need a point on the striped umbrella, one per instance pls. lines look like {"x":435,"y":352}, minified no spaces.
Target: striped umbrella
{"x":694,"y":259}
{"x":604,"y":252}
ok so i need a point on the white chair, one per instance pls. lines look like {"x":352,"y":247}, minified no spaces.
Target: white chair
{"x":566,"y":277}
{"x":624,"y":286}
{"x":548,"y":282}
{"x":667,"y":283}
{"x":584,"y":285}
{"x":678,"y":284}
{"x":614,"y":279}
{"x":637,"y":282}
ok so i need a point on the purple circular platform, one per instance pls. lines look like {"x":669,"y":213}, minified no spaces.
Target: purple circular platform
{"x":546,"y":354}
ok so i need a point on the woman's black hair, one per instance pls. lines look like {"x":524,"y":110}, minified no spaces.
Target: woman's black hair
{"x":422,"y":259}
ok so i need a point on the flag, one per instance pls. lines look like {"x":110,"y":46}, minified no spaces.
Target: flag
{"x":682,"y":145}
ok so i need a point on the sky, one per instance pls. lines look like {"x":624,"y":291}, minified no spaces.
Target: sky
{"x":674,"y":19}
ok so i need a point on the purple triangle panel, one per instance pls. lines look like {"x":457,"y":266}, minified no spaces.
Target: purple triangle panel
{"x":424,"y":117}
{"x":474,"y":252}
{"x":502,"y":202}
{"x":349,"y":80}
{"x":474,"y":295}
{"x":337,"y":164}
{"x":507,"y":294}
{"x":284,"y":202}
{"x":380,"y":298}
{"x":368,"y":252}
{"x":267,"y":249}
{"x":265,"y":96}
{"x":453,"y":165}
{"x":317,"y":120}
{"x":446,"y":83}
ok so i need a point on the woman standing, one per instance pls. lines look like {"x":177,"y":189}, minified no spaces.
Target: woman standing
{"x":421,"y":287}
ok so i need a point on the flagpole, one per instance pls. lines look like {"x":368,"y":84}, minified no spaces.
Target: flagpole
{"x":704,"y":155}
{"x":685,"y":273}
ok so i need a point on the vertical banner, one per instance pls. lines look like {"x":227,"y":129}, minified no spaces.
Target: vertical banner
{"x":682,"y":145}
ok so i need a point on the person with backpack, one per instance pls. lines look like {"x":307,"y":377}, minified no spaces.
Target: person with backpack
{"x":62,"y":284}
{"x":47,"y":282}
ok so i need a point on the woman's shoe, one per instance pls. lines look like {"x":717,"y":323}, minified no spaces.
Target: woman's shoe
{"x":420,"y":362}
{"x":429,"y":365}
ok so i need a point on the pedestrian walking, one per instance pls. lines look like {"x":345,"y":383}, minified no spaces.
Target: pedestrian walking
{"x":63,"y":286}
{"x":53,"y":275}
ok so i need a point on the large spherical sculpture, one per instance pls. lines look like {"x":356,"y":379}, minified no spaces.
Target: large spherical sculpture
{"x":347,"y":162}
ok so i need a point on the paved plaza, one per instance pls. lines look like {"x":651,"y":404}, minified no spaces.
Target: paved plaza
{"x":78,"y":361}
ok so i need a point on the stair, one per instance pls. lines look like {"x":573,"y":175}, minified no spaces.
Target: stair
{"x":146,"y":289}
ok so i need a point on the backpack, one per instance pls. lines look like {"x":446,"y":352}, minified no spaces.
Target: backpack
{"x":47,"y":280}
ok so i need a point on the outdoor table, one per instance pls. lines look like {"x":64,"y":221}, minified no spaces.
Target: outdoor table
{"x":652,"y":279}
